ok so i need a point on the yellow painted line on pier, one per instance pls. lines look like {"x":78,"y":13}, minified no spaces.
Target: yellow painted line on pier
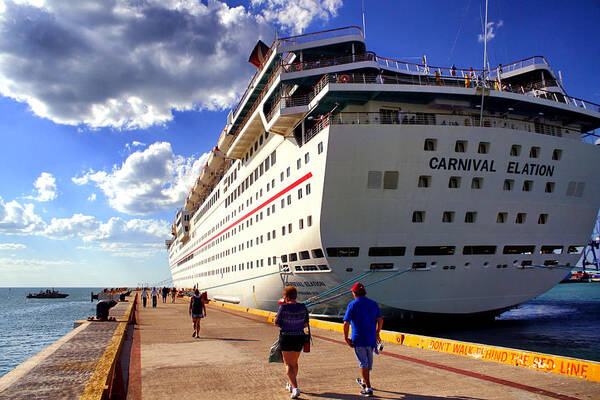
{"x":99,"y":383}
{"x":573,"y":367}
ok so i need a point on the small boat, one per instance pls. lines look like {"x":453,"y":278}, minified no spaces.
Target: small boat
{"x":47,"y":294}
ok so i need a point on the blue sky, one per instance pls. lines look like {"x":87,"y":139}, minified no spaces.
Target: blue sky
{"x":107,"y":109}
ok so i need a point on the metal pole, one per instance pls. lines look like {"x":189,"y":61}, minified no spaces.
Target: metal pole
{"x":484,"y":64}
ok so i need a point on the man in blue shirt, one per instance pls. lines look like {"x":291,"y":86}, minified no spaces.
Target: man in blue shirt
{"x":364,"y":316}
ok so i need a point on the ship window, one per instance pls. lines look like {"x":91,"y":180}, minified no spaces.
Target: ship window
{"x":575,"y":249}
{"x":419,"y":265}
{"x":542,"y":219}
{"x":289,"y":199}
{"x":273,"y":157}
{"x":304,"y":255}
{"x":323,"y":267}
{"x":549,"y":187}
{"x":483,"y":148}
{"x":430,"y":145}
{"x":424,"y":181}
{"x":289,"y":228}
{"x":283,"y":230}
{"x":307,"y":189}
{"x":518,"y":249}
{"x":261,"y":169}
{"x":527,"y":186}
{"x":476,"y":183}
{"x":298,"y":163}
{"x":282,"y":203}
{"x":268,"y":235}
{"x":472,"y":250}
{"x":299,"y":193}
{"x":300,"y":223}
{"x":320,"y":148}
{"x":448,"y":216}
{"x":418,"y":216}
{"x":306,"y":158}
{"x":534,"y":152}
{"x":508,"y":184}
{"x":571,"y":188}
{"x":579,"y":189}
{"x":342,"y":251}
{"x":288,"y":171}
{"x":251,"y":151}
{"x":309,"y":220}
{"x":374,"y":180}
{"x":551,"y":262}
{"x":470,"y":217}
{"x":281,"y":176}
{"x":515,"y":150}
{"x":380,"y":266}
{"x":521,"y":217}
{"x":454,"y":182}
{"x":551,"y":249}
{"x":390,"y":180}
{"x":434,"y":250}
{"x":317,"y":253}
{"x":260,"y":140}
{"x":556,"y":154}
{"x":255,"y":145}
{"x":284,"y":258}
{"x":387,"y":251}
{"x":460,"y":146}
{"x":273,"y":233}
{"x":293,"y":257}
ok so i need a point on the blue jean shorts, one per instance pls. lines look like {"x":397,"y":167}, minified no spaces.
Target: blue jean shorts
{"x":364,"y":355}
{"x":195,"y":316}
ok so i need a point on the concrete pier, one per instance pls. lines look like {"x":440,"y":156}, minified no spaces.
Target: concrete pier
{"x":229,"y":361}
{"x":159,"y":359}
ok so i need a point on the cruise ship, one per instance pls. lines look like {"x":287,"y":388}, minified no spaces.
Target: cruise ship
{"x":444,"y":190}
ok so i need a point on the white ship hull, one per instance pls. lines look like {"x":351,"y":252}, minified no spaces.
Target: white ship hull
{"x":370,"y":199}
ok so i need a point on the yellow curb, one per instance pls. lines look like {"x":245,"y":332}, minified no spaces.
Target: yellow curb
{"x":99,"y":382}
{"x":573,"y":367}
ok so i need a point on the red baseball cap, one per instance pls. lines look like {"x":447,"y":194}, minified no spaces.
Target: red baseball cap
{"x":358,"y":287}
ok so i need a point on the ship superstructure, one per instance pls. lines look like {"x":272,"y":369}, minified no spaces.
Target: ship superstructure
{"x":339,"y":165}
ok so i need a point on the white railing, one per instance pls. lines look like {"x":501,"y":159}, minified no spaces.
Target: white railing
{"x":328,"y":34}
{"x":523,"y":63}
{"x":440,"y":119}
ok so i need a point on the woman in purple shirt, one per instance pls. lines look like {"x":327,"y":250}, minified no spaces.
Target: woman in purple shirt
{"x":291,"y":318}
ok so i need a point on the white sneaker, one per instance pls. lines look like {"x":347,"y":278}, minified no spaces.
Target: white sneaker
{"x":288,"y":387}
{"x":295,"y":393}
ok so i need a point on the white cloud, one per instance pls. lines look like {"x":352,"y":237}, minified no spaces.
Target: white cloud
{"x":129,"y":64}
{"x":135,"y":143}
{"x":11,"y":264}
{"x":296,"y":15}
{"x":491,"y":31}
{"x":138,"y":250}
{"x":11,"y":246}
{"x":45,"y":185}
{"x":92,"y":197}
{"x":17,"y":219}
{"x":148,"y":181}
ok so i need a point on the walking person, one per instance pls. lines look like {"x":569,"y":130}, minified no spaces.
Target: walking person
{"x":165,"y":292}
{"x":198,"y":311}
{"x":291,"y":318}
{"x":364,"y":315}
{"x":144,"y":297}
{"x":173,"y":294}
{"x":154,"y":297}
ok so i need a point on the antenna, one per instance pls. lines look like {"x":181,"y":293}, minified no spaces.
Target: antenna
{"x":363,"y":17}
{"x":484,"y":65}
{"x":560,"y":77}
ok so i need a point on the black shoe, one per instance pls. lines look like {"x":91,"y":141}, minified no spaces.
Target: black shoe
{"x":194,"y":334}
{"x":367,"y":392}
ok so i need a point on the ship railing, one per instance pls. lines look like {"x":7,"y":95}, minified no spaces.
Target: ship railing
{"x":532,"y":89}
{"x":523,"y":63}
{"x":328,"y":62}
{"x":397,"y":117}
{"x":328,"y":34}
{"x":299,"y":100}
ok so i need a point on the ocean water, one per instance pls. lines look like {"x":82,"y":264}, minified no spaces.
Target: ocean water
{"x":27,"y":326}
{"x":564,"y":321}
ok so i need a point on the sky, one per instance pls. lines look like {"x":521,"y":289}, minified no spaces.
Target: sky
{"x":108,"y":108}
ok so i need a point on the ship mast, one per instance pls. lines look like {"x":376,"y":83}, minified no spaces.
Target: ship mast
{"x":484,"y":64}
